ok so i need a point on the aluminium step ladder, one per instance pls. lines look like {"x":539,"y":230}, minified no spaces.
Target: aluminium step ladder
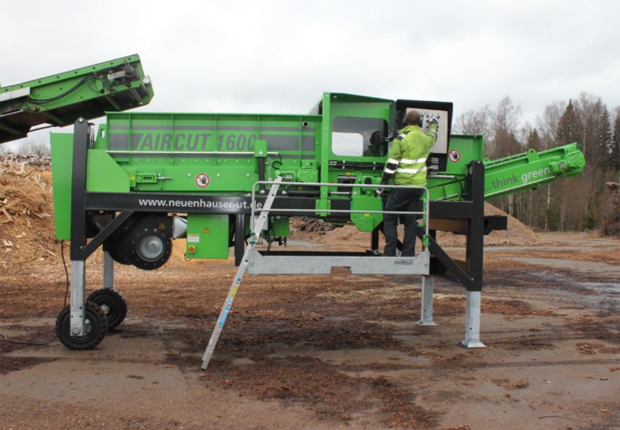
{"x":258,"y":227}
{"x":257,"y":262}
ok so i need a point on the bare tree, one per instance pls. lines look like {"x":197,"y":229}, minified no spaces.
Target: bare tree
{"x":548,"y":124}
{"x":588,"y":109}
{"x":504,"y":128}
{"x":530,"y":136}
{"x":473,"y":122}
{"x":30,"y":147}
{"x":614,"y":153}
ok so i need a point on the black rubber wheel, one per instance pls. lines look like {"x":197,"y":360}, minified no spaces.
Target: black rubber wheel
{"x":147,"y":248}
{"x":116,"y":251}
{"x":113,"y":305}
{"x":96,"y":325}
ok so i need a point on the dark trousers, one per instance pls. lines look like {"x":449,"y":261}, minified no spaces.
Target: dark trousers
{"x":402,"y":200}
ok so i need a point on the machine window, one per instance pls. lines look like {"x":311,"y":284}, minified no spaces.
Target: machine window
{"x":359,"y":137}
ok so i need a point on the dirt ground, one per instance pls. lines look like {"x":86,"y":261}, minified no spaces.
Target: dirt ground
{"x":324,"y":352}
{"x":311,"y":352}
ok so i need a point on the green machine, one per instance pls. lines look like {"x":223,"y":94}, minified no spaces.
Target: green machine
{"x":144,"y":179}
{"x":141,"y":180}
{"x":167,"y":162}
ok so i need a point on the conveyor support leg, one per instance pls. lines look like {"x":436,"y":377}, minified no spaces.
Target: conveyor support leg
{"x":472,"y":321}
{"x":427,"y":302}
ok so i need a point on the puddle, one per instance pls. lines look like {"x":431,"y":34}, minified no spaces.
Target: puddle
{"x":602,"y":287}
{"x":581,"y":266}
{"x":592,"y":294}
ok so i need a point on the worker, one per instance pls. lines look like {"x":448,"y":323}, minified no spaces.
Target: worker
{"x":377,"y":147}
{"x":407,"y":164}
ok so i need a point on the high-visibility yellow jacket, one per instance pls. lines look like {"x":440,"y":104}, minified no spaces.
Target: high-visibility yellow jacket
{"x":408,"y":154}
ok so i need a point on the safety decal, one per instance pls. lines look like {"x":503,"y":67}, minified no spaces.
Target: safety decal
{"x":234,"y":292}
{"x":454,"y":155}
{"x":193,"y":238}
{"x":224,"y":316}
{"x":202,"y":180}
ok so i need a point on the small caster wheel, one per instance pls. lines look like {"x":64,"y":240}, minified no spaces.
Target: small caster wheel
{"x":95,"y":327}
{"x":113,"y":305}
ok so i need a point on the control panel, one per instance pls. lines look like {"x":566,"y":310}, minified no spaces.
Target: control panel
{"x":428,"y":109}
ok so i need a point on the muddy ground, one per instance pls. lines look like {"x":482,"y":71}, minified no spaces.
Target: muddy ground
{"x":324,"y":352}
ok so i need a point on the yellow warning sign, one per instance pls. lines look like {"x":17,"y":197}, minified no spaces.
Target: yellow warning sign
{"x":206,"y":231}
{"x":161,"y":227}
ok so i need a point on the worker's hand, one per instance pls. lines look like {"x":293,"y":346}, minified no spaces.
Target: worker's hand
{"x":379,"y":191}
{"x":433,"y":121}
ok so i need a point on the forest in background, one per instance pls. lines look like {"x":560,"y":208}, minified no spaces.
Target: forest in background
{"x":579,"y":203}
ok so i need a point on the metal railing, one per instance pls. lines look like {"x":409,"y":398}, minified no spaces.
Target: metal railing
{"x":424,"y":213}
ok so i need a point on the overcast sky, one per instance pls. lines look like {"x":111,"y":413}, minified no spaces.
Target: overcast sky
{"x":279,"y":56}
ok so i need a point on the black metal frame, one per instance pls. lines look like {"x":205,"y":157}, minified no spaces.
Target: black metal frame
{"x":472,"y":210}
{"x":128,"y":204}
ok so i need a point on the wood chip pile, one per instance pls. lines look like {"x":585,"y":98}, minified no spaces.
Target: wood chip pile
{"x":26,"y":212}
{"x":518,"y":234}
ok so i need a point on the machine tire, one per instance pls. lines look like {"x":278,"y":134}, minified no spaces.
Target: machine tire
{"x":113,"y":305}
{"x":135,"y":243}
{"x":97,"y":326}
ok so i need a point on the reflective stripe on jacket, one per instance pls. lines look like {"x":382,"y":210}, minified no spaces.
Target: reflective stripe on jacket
{"x":408,"y":154}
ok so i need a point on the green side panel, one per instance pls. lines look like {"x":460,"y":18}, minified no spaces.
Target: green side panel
{"x":463,"y":149}
{"x":260,"y":149}
{"x":208,"y":235}
{"x":366,"y":221}
{"x":62,"y":164}
{"x":349,"y":123}
{"x":279,"y":227}
{"x":205,"y":153}
{"x":104,"y":174}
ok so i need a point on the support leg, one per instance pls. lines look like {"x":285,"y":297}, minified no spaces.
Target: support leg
{"x":77,"y":297}
{"x":472,"y":321}
{"x":427,"y":302}
{"x":108,"y":271}
{"x":374,"y":240}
